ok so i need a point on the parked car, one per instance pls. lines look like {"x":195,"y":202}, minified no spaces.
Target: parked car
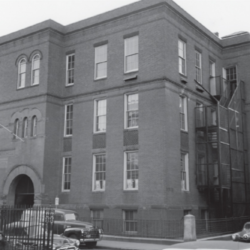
{"x":244,"y":234}
{"x":66,"y":223}
{"x":60,"y":242}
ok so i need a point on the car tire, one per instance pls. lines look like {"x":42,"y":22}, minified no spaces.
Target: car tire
{"x":91,"y":244}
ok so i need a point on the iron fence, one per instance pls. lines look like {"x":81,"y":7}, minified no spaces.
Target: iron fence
{"x":27,"y":228}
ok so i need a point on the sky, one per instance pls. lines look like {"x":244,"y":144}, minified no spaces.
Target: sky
{"x":223,"y":16}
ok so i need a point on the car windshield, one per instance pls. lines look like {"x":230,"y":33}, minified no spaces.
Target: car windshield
{"x":247,"y":227}
{"x":70,"y":216}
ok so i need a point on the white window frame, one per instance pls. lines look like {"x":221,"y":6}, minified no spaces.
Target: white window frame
{"x":68,"y":173}
{"x":198,"y":67}
{"x":70,"y":70}
{"x":131,"y":222}
{"x":182,"y":57}
{"x":104,"y":61}
{"x":33,"y":70}
{"x":98,"y":186}
{"x":128,"y":185}
{"x":128,"y":54}
{"x":183,"y":101}
{"x":96,"y":116}
{"x":212,"y":77}
{"x":21,"y":84}
{"x":66,"y":120}
{"x":126,"y":111}
{"x":184,"y":172}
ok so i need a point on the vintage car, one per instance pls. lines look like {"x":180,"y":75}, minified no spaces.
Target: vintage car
{"x":243,"y":235}
{"x":66,"y":223}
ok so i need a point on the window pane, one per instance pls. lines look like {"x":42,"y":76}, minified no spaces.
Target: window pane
{"x":101,"y":70}
{"x":132,"y":62}
{"x":69,"y":119}
{"x":67,"y":173}
{"x":100,"y":172}
{"x":131,"y":45}
{"x":132,"y":170}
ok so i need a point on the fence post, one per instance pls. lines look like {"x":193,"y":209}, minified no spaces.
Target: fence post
{"x":189,"y":228}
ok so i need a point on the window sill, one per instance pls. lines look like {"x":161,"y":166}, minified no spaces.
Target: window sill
{"x":99,"y":79}
{"x":131,"y":76}
{"x":131,"y":72}
{"x":67,"y":136}
{"x":69,"y":85}
{"x":132,"y":128}
{"x":99,"y":133}
{"x":65,"y":191}
{"x":184,"y":131}
{"x":183,"y":78}
{"x":131,"y":190}
{"x":98,"y":191}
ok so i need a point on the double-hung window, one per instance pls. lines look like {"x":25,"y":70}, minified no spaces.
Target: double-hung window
{"x":70,"y":69}
{"x":213,"y":90}
{"x":198,"y":73}
{"x":184,"y":172}
{"x":35,"y":70}
{"x":100,"y":116}
{"x":131,"y":110}
{"x":68,"y":120}
{"x":21,"y":73}
{"x":131,"y":62}
{"x":182,"y":57}
{"x":97,"y":218}
{"x":130,"y":221}
{"x":183,"y":113}
{"x":131,"y":171}
{"x":99,"y":172}
{"x":66,"y":180}
{"x":101,"y":58}
{"x":200,"y":115}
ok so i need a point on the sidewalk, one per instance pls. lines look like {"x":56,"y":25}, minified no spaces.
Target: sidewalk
{"x":132,"y":243}
{"x":124,"y":243}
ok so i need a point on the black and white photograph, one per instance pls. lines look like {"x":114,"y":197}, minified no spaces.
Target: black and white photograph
{"x":124,"y":124}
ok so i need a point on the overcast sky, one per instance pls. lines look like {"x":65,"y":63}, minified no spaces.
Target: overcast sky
{"x":223,"y":16}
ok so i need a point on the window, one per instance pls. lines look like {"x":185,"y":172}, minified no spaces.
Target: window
{"x":131,"y":171}
{"x":101,"y":61}
{"x":212,"y":78}
{"x":21,"y":73}
{"x":35,"y":70}
{"x":25,"y":127}
{"x":231,"y":75}
{"x":184,"y":172}
{"x":66,"y":174}
{"x":34,"y":126}
{"x":99,"y":172}
{"x":131,"y":111}
{"x":130,"y":221}
{"x":131,"y":54}
{"x":100,"y":116}
{"x":182,"y":57}
{"x":70,"y":67}
{"x":68,"y":120}
{"x":16,"y":129}
{"x":183,"y":113}
{"x":200,"y":118}
{"x":198,"y":74}
{"x":97,"y":218}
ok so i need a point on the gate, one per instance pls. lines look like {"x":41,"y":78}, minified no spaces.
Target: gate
{"x":27,"y":228}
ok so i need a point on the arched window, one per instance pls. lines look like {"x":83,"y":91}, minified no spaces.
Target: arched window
{"x":34,"y":126}
{"x":16,"y":129}
{"x":25,"y":127}
{"x":21,"y":73}
{"x":35,"y":70}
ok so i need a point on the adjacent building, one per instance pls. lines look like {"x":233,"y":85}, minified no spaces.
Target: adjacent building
{"x":135,"y":113}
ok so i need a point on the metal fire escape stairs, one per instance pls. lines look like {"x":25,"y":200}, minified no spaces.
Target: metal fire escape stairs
{"x":221,"y":150}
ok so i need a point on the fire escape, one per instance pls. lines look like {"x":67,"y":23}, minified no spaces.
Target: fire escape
{"x":221,"y":150}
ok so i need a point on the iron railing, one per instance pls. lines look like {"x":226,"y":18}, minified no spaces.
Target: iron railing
{"x":27,"y":227}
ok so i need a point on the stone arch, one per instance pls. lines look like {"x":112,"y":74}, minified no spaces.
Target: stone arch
{"x":9,"y":184}
{"x":35,"y":112}
{"x":35,"y":52}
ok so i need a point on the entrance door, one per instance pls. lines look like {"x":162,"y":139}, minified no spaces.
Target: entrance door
{"x":24,"y":194}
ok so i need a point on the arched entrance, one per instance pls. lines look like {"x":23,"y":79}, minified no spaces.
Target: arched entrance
{"x":24,"y":193}
{"x":22,"y":186}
